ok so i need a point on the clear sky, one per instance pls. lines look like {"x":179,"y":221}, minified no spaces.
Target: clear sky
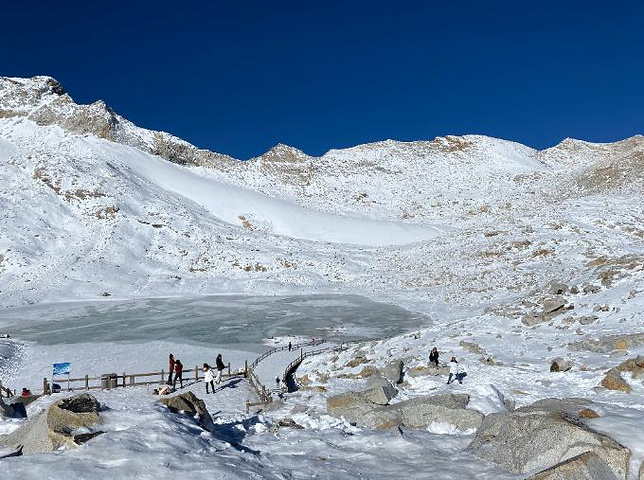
{"x":238,"y":77}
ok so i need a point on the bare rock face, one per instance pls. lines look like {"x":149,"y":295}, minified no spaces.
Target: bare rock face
{"x":379,"y":390}
{"x":190,"y":404}
{"x":58,"y":426}
{"x":587,"y":466}
{"x":541,"y":436}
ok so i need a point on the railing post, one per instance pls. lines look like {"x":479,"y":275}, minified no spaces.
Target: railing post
{"x":247,"y":406}
{"x":86,"y":382}
{"x":196,"y":373}
{"x":44,"y":386}
{"x":245,"y":368}
{"x":229,"y":369}
{"x":123,"y":379}
{"x":163,"y":376}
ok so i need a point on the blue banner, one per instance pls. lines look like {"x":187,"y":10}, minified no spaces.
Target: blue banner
{"x":62,"y":368}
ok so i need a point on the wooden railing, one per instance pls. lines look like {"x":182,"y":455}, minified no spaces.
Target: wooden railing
{"x":110,"y":381}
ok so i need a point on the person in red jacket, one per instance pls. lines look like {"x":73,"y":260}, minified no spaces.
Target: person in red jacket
{"x":171,"y":369}
{"x":178,"y":368}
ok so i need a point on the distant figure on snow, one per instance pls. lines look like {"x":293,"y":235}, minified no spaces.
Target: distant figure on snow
{"x":209,"y":377}
{"x":277,"y":381}
{"x":456,"y":370}
{"x":220,"y":368}
{"x":171,"y":365}
{"x":433,"y":357}
{"x":25,"y":392}
{"x":290,"y":346}
{"x":178,"y":369}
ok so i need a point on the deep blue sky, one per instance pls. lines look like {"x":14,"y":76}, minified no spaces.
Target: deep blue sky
{"x":238,"y":77}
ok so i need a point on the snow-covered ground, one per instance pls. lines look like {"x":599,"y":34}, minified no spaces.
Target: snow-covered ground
{"x":119,"y":245}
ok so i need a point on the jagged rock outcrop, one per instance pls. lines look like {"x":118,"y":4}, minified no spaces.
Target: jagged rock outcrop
{"x":609,"y":343}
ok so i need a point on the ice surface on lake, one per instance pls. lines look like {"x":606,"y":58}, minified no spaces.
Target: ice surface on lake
{"x":213,"y":320}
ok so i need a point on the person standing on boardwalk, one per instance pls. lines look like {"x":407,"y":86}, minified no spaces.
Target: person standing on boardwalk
{"x":290,"y":346}
{"x":220,"y":368}
{"x":433,"y":357}
{"x":171,"y":360}
{"x":178,"y":369}
{"x":209,"y":377}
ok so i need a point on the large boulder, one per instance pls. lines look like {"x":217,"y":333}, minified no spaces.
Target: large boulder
{"x":393,"y":371}
{"x":190,"y":404}
{"x":67,"y":423}
{"x":351,"y":405}
{"x":542,"y":435}
{"x":587,"y":466}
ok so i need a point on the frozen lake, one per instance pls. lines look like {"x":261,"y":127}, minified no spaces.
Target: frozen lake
{"x":214,"y":320}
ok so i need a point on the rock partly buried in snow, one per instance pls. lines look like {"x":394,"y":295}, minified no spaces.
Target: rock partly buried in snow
{"x":190,"y":404}
{"x":555,"y":287}
{"x":587,"y":466}
{"x":421,"y":412}
{"x":540,"y":436}
{"x":418,"y":412}
{"x":614,"y":380}
{"x":551,"y":306}
{"x":560,"y":364}
{"x":609,"y":343}
{"x":67,"y":423}
{"x":472,"y":347}
{"x":393,"y":371}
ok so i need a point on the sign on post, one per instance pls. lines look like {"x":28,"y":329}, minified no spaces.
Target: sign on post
{"x":63,"y":368}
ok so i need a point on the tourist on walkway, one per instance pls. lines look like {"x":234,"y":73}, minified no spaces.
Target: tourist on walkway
{"x":433,"y":356}
{"x":178,"y":369}
{"x":171,"y":369}
{"x":209,"y":377}
{"x":290,"y":346}
{"x":220,"y":368}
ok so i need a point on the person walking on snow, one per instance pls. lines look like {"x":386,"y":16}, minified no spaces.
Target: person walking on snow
{"x":178,"y":369}
{"x":171,"y":365}
{"x":456,"y":370}
{"x":220,"y":368}
{"x":433,"y":357}
{"x":209,"y":377}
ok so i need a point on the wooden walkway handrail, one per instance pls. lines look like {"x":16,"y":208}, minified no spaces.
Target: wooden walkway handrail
{"x":112,"y":380}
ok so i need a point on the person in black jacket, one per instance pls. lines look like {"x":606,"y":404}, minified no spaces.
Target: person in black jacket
{"x":433,"y":357}
{"x":220,"y":368}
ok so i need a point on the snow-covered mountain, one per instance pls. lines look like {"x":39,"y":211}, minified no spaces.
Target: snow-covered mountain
{"x":438,"y":222}
{"x":517,"y":256}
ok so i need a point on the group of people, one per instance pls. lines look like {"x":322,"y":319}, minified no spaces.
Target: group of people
{"x":457,"y":371}
{"x":176,"y":368}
